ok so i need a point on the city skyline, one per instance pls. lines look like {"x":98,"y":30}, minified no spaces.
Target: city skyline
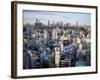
{"x":30,"y":16}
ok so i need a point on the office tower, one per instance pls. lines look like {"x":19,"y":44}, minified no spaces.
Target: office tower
{"x":48,"y":22}
{"x":77,"y":24}
{"x":57,"y":56}
{"x":54,"y":34}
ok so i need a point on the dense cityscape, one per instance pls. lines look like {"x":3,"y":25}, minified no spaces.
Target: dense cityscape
{"x":56,"y":44}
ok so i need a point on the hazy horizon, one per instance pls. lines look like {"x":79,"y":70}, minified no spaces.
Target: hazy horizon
{"x":30,"y":16}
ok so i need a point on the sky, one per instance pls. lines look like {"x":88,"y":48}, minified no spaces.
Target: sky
{"x":30,"y":16}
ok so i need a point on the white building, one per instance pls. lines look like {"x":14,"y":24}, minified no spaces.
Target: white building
{"x":55,"y":33}
{"x":57,"y":56}
{"x":45,"y":35}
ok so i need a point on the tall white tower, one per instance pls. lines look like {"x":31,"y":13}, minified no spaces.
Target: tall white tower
{"x":57,"y":56}
{"x":54,"y":34}
{"x":45,"y":35}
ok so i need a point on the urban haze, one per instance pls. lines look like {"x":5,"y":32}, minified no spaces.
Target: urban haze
{"x":56,"y":39}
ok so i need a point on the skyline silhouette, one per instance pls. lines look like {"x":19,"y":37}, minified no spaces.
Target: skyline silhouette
{"x":30,"y":16}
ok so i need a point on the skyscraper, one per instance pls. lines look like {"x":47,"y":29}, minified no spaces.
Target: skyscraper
{"x":48,"y":22}
{"x":77,"y":24}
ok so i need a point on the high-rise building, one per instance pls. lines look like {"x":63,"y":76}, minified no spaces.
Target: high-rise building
{"x":57,"y":56}
{"x":38,"y":23}
{"x":55,"y":34}
{"x":48,"y":22}
{"x":61,"y":23}
{"x":67,"y":24}
{"x":45,"y":34}
{"x":77,"y":24}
